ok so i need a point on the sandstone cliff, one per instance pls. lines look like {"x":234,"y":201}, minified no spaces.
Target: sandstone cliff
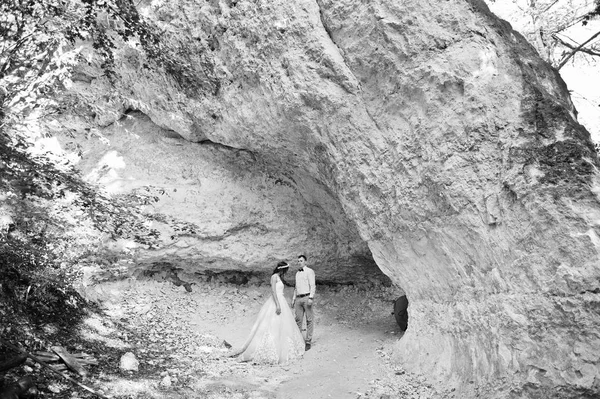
{"x":430,"y":130}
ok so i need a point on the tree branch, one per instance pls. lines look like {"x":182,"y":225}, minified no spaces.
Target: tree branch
{"x":550,"y":6}
{"x":35,"y":358}
{"x":575,"y":50}
{"x":589,"y":51}
{"x":569,"y":23}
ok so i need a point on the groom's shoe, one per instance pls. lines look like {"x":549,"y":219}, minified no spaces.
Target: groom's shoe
{"x":307,"y":346}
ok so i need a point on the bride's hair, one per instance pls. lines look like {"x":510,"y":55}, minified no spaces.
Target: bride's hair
{"x":282,"y":268}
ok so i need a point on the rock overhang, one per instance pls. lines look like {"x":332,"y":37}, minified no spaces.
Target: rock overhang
{"x":438,"y":132}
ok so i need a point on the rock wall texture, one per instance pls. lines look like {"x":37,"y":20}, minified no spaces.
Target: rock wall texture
{"x":444,"y":139}
{"x":219,"y":209}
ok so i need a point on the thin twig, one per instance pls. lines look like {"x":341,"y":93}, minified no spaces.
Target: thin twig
{"x":17,"y":349}
{"x":549,"y":6}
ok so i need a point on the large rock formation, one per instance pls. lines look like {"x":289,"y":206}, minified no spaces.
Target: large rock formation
{"x":221,"y":210}
{"x":444,"y":138}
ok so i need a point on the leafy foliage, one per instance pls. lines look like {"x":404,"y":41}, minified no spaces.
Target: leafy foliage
{"x":52,"y":223}
{"x":592,"y":14}
{"x":38,"y":43}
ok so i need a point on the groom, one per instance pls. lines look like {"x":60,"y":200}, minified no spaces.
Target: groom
{"x":304,"y":294}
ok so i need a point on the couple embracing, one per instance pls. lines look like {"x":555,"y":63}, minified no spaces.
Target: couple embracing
{"x":276,"y":336}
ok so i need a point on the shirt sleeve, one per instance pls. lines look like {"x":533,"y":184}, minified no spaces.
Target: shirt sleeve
{"x":312,"y":284}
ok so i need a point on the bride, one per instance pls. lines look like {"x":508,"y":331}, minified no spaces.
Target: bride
{"x":274,"y":338}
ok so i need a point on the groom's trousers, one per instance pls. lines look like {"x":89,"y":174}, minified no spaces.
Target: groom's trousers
{"x":302,"y":309}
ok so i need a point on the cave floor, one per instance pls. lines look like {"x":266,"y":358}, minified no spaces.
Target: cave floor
{"x":181,"y":341}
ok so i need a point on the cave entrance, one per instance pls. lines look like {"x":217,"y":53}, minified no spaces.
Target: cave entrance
{"x":401,"y":312}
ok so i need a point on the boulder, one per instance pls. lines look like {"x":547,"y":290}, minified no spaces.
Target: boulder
{"x":428,"y":137}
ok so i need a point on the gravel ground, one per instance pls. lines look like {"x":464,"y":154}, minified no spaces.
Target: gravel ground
{"x":181,"y":340}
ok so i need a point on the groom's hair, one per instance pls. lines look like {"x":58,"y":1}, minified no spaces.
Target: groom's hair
{"x":302,"y":256}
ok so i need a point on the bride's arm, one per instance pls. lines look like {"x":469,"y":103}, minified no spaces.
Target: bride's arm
{"x":274,"y":292}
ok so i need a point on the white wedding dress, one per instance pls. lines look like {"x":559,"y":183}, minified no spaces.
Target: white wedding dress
{"x":274,"y":338}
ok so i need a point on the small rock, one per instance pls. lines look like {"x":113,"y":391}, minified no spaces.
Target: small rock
{"x":54,"y":388}
{"x":129,"y":362}
{"x":166,"y":382}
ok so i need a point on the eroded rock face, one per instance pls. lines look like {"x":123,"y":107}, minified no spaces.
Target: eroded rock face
{"x":448,"y":142}
{"x":220,"y":209}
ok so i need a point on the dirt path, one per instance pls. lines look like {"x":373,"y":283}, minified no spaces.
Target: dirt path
{"x":343,"y":361}
{"x":184,"y":333}
{"x":342,"y":364}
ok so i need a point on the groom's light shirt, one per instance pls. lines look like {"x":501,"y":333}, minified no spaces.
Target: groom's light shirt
{"x":305,"y":282}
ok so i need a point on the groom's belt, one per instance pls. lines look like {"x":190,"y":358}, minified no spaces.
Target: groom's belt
{"x":302,"y":295}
